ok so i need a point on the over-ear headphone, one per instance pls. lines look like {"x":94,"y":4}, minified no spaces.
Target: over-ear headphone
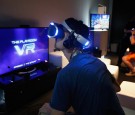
{"x":74,"y":39}
{"x":69,"y":43}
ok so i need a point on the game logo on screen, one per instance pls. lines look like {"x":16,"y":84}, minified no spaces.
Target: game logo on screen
{"x":22,"y":47}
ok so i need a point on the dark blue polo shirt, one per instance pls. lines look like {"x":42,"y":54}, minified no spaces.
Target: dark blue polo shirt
{"x":85,"y":84}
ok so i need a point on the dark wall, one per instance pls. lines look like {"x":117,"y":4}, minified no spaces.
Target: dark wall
{"x":122,"y":12}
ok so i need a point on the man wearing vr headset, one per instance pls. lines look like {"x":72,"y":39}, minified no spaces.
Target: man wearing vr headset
{"x":85,"y":84}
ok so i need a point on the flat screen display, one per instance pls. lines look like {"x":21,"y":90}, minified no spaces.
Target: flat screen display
{"x":99,"y":21}
{"x":22,"y":47}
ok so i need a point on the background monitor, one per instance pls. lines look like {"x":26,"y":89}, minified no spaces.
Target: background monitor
{"x":22,"y":47}
{"x":99,"y":21}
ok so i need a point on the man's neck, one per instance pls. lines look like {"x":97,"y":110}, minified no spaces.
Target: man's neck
{"x":70,"y":53}
{"x":67,"y":53}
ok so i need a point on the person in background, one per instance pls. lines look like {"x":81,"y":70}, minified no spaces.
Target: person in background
{"x":85,"y":84}
{"x":129,"y":59}
{"x":125,"y":42}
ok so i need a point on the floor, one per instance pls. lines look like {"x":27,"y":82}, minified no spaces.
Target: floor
{"x":33,"y":107}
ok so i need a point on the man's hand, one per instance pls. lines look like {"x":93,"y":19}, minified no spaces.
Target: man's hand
{"x":45,"y":109}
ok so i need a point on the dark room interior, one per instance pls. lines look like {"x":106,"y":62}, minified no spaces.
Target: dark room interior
{"x":27,"y":82}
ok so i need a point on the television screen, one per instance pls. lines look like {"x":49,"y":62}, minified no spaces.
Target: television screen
{"x":99,"y":21}
{"x":22,"y":47}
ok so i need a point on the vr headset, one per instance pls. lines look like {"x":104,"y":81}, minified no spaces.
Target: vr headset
{"x":58,"y":31}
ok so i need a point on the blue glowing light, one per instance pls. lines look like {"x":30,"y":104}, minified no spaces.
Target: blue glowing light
{"x":52,"y":23}
{"x":87,"y":43}
{"x":56,"y":30}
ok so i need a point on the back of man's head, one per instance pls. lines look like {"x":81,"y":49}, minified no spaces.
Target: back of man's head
{"x":79,"y":34}
{"x":78,"y":26}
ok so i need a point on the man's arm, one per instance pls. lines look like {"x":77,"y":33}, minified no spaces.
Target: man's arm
{"x":46,"y":109}
{"x":57,"y":112}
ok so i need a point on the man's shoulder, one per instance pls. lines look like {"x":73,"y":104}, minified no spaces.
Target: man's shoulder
{"x":84,"y":56}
